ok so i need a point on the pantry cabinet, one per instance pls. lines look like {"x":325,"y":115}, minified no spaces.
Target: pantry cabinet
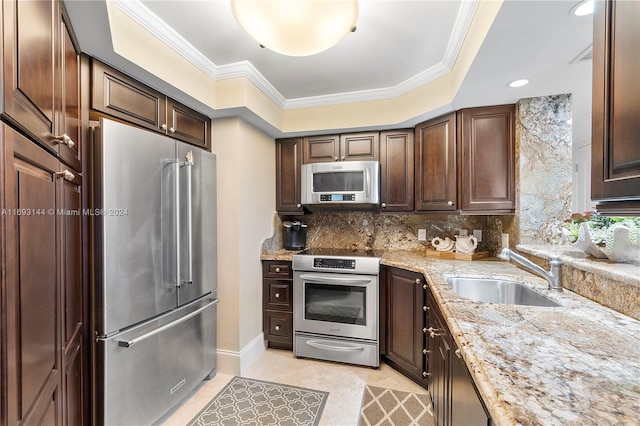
{"x":396,"y":170}
{"x":615,"y":156}
{"x":43,"y":322}
{"x":465,"y":162}
{"x":288,"y":176}
{"x":406,"y":314}
{"x":347,"y":147}
{"x":43,"y":336}
{"x":118,"y":95}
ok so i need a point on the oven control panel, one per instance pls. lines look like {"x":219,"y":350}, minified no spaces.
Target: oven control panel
{"x":334,"y":263}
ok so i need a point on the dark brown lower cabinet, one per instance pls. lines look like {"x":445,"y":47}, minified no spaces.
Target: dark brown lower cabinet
{"x":456,"y":401}
{"x":467,"y":408}
{"x":277,"y":304}
{"x":41,"y":292}
{"x":406,"y":314}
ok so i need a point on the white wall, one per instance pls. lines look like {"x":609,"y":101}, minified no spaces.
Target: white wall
{"x":246,"y":202}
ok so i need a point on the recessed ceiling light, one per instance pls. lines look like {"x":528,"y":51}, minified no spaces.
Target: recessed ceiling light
{"x":519,"y":83}
{"x":583,"y":8}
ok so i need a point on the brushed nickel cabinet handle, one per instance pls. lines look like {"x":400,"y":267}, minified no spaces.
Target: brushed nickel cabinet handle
{"x":418,"y":280}
{"x":277,"y":269}
{"x":172,"y":130}
{"x":383,"y":205}
{"x":298,"y":205}
{"x":66,"y":175}
{"x":65,"y":140}
{"x":277,"y":295}
{"x":163,"y":127}
{"x":458,"y":353}
{"x":450,"y":203}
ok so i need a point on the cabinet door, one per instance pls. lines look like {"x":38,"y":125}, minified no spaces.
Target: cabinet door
{"x":439,"y":348}
{"x":188,"y":125}
{"x":615,"y":145}
{"x":31,"y":88}
{"x":360,"y":147}
{"x":33,"y":356}
{"x":487,"y":159}
{"x":435,"y":165}
{"x":405,"y":321}
{"x":321,"y":149}
{"x":288,"y":165}
{"x":71,"y":256}
{"x":467,"y":408}
{"x":120,"y":96}
{"x":70,"y":149}
{"x":396,"y":166}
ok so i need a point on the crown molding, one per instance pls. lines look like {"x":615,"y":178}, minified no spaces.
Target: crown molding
{"x":159,"y":29}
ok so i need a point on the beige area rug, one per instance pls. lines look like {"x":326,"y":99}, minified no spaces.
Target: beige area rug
{"x":250,"y":402}
{"x":388,"y":407}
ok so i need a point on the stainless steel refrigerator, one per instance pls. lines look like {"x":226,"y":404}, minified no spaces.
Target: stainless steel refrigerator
{"x":154,"y":289}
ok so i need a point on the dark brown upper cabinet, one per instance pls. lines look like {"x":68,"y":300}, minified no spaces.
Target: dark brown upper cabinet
{"x":396,"y":170}
{"x":118,"y":95}
{"x":487,"y":159}
{"x":347,"y":147}
{"x":465,"y":162}
{"x":615,"y":149}
{"x":435,"y":165}
{"x":41,"y":76}
{"x":288,"y":165}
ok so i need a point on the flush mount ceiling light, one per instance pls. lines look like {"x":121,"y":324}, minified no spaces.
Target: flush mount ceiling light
{"x":518,"y":83}
{"x":296,"y":27}
{"x":583,"y":8}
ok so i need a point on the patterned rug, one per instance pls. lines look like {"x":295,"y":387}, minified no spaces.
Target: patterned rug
{"x":388,"y":407}
{"x":254,"y":402}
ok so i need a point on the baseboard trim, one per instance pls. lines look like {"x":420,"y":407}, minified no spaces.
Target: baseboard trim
{"x":235,"y":363}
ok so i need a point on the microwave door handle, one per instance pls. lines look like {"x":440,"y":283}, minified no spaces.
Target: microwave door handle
{"x":367,"y":183}
{"x":315,"y":279}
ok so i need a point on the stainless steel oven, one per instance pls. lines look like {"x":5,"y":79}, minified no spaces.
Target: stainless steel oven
{"x":335,"y":309}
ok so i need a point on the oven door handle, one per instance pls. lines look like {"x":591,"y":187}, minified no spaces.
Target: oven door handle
{"x":315,"y":279}
{"x":348,"y":348}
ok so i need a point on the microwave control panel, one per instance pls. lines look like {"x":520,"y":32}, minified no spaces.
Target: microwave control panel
{"x":337,"y":197}
{"x":332,"y":263}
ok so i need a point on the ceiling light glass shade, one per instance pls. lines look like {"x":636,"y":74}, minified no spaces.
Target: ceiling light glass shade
{"x":583,"y":8}
{"x":296,"y":27}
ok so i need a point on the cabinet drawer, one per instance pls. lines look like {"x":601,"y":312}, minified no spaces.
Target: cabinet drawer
{"x":276,"y":269}
{"x":278,"y":326}
{"x":277,"y":295}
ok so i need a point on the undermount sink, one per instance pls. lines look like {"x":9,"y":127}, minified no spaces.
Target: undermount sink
{"x":493,"y":290}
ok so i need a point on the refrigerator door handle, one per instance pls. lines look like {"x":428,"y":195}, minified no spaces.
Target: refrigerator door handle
{"x":189,"y":165}
{"x":129,"y":343}
{"x":176,"y":219}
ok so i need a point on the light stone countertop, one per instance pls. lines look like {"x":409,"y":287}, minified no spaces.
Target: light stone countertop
{"x":577,"y":364}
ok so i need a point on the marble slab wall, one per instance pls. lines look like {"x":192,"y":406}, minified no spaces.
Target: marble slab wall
{"x":544,"y":169}
{"x":373,"y":230}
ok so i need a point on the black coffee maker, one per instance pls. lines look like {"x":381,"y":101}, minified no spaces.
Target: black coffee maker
{"x":295,"y":235}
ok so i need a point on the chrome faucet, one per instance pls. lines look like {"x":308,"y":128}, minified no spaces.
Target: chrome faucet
{"x":553,"y":275}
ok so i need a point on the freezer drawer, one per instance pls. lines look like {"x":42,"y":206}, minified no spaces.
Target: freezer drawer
{"x":148,"y":370}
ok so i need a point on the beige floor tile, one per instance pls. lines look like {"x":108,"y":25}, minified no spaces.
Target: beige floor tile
{"x":345,"y":384}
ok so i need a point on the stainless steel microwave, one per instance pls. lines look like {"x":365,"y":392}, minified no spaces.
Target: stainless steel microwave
{"x":348,"y":185}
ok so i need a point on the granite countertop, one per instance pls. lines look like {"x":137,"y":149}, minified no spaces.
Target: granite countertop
{"x":577,"y":364}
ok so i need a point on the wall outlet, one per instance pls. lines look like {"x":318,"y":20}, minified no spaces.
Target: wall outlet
{"x":478,"y":234}
{"x":505,"y":240}
{"x":422,"y":235}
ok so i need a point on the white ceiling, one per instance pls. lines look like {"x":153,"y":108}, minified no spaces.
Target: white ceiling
{"x":397,"y":46}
